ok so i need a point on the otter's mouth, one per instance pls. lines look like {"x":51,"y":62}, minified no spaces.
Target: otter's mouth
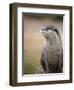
{"x":45,"y":31}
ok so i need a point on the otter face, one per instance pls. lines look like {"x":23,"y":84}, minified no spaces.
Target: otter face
{"x":49,"y":32}
{"x":46,"y":33}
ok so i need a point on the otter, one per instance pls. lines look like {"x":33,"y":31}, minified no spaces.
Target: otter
{"x":52,"y":52}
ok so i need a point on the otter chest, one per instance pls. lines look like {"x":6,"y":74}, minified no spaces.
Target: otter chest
{"x":52,"y":54}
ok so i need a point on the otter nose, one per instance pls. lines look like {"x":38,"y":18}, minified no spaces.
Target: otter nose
{"x":43,"y":29}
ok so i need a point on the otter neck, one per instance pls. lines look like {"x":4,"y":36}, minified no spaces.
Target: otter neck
{"x":54,"y":41}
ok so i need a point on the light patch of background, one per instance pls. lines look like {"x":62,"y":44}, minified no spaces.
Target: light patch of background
{"x":34,"y":41}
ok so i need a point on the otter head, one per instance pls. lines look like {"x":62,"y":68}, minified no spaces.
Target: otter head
{"x":49,"y":32}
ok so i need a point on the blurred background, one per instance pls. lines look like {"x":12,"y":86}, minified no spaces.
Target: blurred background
{"x":34,"y":41}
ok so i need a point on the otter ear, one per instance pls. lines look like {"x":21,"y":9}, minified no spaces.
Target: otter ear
{"x":56,"y":30}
